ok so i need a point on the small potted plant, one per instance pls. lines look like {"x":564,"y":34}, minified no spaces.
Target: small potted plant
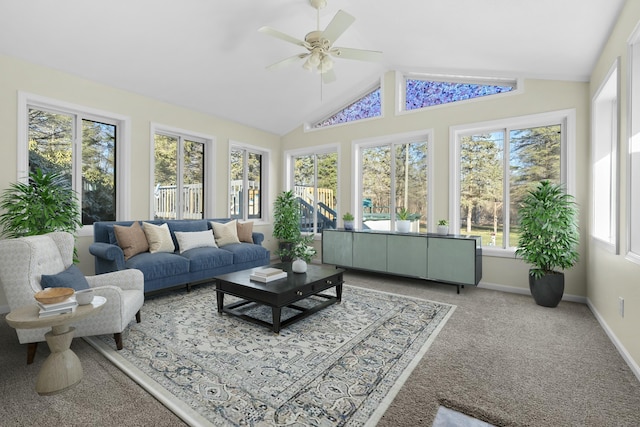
{"x":302,"y":252}
{"x":548,"y":240}
{"x":348,"y":221}
{"x":286,"y":223}
{"x":443,"y":227}
{"x":403,"y":223}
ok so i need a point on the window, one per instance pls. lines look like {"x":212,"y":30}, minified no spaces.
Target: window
{"x":180,"y":178}
{"x":604,"y":161}
{"x":365,"y":107}
{"x":427,"y":91}
{"x":633,"y":155}
{"x":315,"y":184}
{"x":81,"y":144}
{"x":393,"y":174}
{"x":248,"y":169}
{"x":498,"y":163}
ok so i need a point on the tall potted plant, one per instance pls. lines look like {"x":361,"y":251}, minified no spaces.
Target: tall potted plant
{"x":44,"y":204}
{"x":548,"y":240}
{"x":286,"y":223}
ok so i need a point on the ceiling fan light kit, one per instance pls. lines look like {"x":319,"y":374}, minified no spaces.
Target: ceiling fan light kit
{"x":319,"y":45}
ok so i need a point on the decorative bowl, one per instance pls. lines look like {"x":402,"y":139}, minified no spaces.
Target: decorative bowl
{"x":84,"y":296}
{"x":53,"y":295}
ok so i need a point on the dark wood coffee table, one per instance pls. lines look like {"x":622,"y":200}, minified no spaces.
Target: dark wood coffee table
{"x":279,"y":293}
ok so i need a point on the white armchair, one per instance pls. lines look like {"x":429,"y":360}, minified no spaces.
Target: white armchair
{"x":23,"y":261}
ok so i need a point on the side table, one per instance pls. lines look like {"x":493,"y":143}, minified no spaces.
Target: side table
{"x":62,"y":369}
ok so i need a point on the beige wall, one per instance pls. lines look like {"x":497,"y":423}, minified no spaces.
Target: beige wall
{"x":539,"y":96}
{"x":17,"y":76}
{"x":610,"y":276}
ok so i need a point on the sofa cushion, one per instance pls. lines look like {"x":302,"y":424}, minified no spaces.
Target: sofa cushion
{"x":158,"y":237}
{"x":226,"y":234}
{"x":246,"y":252}
{"x":195,"y":239}
{"x":159,"y":265}
{"x":245,"y":231}
{"x":131,"y":239}
{"x":207,"y":258}
{"x":185,"y":226}
{"x":72,"y":277}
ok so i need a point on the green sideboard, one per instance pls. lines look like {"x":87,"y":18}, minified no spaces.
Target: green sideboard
{"x":451,"y":259}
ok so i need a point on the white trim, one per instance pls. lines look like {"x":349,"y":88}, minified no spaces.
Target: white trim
{"x":635,"y":368}
{"x":209,"y":162}
{"x":633,"y":104}
{"x":123,"y":145}
{"x":264,"y":177}
{"x":524,"y":291}
{"x":566,"y":118}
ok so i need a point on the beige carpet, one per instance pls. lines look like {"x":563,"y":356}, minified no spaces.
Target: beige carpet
{"x":499,"y":355}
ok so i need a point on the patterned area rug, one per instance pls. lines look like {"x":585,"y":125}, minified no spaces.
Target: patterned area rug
{"x":340,"y":366}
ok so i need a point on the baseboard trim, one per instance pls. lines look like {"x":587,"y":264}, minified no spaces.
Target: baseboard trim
{"x":523,"y":291}
{"x":635,"y":368}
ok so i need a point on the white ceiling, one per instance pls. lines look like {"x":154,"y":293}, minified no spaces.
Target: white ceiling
{"x":207,"y":55}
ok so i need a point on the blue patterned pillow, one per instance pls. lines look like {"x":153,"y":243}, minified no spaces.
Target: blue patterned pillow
{"x":72,"y":277}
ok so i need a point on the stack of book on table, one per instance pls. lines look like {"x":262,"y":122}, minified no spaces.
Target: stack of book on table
{"x":268,"y":274}
{"x":67,"y":306}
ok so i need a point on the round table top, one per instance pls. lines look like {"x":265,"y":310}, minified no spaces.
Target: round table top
{"x":26,"y":317}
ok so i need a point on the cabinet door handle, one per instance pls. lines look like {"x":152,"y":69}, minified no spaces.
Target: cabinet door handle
{"x":299,"y":293}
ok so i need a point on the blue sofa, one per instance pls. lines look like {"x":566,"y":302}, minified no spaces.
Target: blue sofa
{"x":164,"y":270}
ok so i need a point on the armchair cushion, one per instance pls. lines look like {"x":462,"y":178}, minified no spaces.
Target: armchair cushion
{"x":72,"y":277}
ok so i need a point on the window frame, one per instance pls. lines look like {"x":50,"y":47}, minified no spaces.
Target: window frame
{"x":401,"y":88}
{"x":209,"y":164}
{"x":566,"y":119}
{"x":400,"y":138}
{"x":123,"y":145}
{"x":290,"y":155}
{"x":633,"y":149}
{"x":607,"y":95}
{"x":335,"y":107}
{"x":264,"y":181}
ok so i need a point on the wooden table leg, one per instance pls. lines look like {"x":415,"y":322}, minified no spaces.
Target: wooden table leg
{"x":275,"y":316}
{"x":220,"y":298}
{"x":62,"y":369}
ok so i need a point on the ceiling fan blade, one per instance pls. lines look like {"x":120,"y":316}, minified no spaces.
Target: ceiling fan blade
{"x":337,"y":26}
{"x":328,"y":77}
{"x":357,"y":54}
{"x":282,"y":36}
{"x":287,"y":61}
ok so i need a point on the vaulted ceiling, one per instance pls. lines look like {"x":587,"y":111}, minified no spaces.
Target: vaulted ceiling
{"x":207,"y":55}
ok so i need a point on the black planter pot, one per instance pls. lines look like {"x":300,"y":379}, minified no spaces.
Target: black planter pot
{"x":285,"y":246}
{"x":547,"y":291}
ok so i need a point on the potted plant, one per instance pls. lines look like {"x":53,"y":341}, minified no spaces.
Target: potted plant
{"x":45,"y":203}
{"x":403,"y":223}
{"x":302,"y":252}
{"x":286,"y":223}
{"x":443,"y":227}
{"x":348,"y":221}
{"x":548,"y":240}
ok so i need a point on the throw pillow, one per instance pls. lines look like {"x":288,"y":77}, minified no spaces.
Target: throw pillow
{"x":131,"y":239}
{"x":72,"y":277}
{"x":245,"y":230}
{"x":158,"y":237}
{"x":225,"y":233}
{"x":194,"y":239}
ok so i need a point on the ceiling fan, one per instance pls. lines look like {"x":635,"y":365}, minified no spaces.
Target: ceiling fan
{"x":319,"y":45}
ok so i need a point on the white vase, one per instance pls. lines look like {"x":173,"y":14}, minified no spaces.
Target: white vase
{"x":443,"y":229}
{"x":299,"y":266}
